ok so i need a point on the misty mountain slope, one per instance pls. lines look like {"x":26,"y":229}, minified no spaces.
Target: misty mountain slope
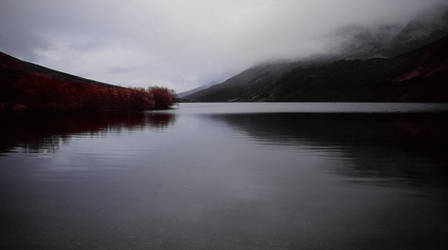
{"x":385,"y":41}
{"x":424,"y":73}
{"x":391,"y":40}
{"x":192,"y":91}
{"x":262,"y":86}
{"x":253,"y":82}
{"x":419,"y":75}
{"x":345,"y":80}
{"x":428,"y":27}
{"x":364,"y":43}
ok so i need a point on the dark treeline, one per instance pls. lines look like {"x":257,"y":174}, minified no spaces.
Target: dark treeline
{"x":35,"y":91}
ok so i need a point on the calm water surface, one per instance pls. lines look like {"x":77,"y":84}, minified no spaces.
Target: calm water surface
{"x":228,"y":176}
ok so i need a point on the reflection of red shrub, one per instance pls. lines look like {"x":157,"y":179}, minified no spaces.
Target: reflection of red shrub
{"x":36,"y":132}
{"x":41,"y":92}
{"x":160,"y":120}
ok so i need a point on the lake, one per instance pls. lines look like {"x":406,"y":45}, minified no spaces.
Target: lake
{"x":228,"y":176}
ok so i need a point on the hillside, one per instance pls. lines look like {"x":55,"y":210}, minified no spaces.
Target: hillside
{"x":409,"y":65}
{"x":192,"y":91}
{"x":13,"y":67}
{"x":420,"y":75}
{"x":27,"y":86}
{"x":428,"y":27}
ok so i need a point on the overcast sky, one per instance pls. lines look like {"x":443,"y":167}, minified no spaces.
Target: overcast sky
{"x":181,"y":44}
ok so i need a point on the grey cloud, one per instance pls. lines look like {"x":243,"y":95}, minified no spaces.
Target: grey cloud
{"x":180,"y":43}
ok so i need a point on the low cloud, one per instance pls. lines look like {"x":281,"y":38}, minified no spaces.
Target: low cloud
{"x":183,"y":44}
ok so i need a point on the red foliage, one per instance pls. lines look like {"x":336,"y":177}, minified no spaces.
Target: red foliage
{"x":42,"y":131}
{"x":36,"y":91}
{"x":162,"y":97}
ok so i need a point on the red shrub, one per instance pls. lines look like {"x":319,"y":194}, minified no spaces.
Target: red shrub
{"x":40,"y":92}
{"x":162,"y":96}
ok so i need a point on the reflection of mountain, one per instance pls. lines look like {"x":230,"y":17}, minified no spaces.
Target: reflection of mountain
{"x":407,"y":148}
{"x":37,"y":133}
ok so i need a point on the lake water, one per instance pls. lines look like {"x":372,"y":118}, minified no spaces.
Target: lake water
{"x":228,"y":176}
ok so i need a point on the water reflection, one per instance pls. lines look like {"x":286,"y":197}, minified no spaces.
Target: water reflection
{"x":46,"y":132}
{"x":226,"y":181}
{"x":387,"y":149}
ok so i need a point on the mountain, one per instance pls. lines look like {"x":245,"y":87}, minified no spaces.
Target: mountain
{"x":27,"y":86}
{"x":420,"y":75}
{"x":428,"y":27}
{"x":252,"y":82}
{"x":12,"y":68}
{"x":364,"y":43}
{"x":192,"y":91}
{"x":423,"y":73}
{"x":246,"y":80}
{"x":374,"y":65}
{"x":391,"y":40}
